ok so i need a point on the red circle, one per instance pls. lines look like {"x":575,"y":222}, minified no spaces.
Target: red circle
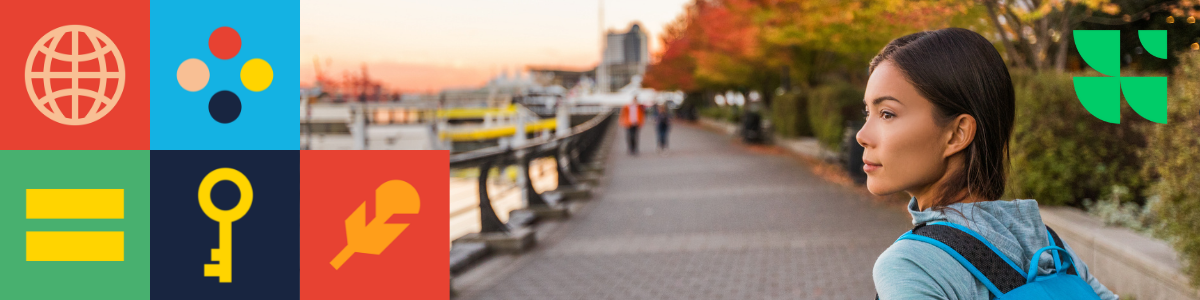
{"x":224,"y":43}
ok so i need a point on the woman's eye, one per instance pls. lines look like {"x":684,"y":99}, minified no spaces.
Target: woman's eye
{"x":886,"y":115}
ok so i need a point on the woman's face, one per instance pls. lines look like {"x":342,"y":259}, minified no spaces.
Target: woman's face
{"x":904,"y":147}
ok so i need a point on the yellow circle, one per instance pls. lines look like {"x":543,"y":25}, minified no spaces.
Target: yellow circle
{"x":257,"y":75}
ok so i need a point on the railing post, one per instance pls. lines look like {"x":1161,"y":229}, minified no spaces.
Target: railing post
{"x":532,"y":197}
{"x":562,"y":118}
{"x":562,"y":165}
{"x":488,"y":220}
{"x":573,"y":153}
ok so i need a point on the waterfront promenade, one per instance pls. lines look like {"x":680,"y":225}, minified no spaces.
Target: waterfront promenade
{"x":713,"y":219}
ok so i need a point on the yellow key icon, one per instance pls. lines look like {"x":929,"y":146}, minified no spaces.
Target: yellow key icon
{"x":223,"y":269}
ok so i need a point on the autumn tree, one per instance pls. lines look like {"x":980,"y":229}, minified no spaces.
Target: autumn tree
{"x":747,"y":44}
{"x":713,"y":45}
{"x":1029,"y":29}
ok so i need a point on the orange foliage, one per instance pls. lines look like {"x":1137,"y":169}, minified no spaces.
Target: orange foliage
{"x":724,"y":43}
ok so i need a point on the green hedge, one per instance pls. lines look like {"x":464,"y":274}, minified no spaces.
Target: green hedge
{"x":789,"y":115}
{"x":1172,"y":157}
{"x":1059,"y":153}
{"x":829,"y":106}
{"x":728,"y":113}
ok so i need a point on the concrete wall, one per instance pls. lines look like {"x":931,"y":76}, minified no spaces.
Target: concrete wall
{"x":1127,"y":263}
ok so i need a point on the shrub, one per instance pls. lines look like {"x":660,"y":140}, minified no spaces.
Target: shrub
{"x":1114,"y":211}
{"x":789,"y":115}
{"x":1172,"y":156}
{"x":1059,"y":153}
{"x":714,"y":112}
{"x":829,"y":106}
{"x":726,"y":113}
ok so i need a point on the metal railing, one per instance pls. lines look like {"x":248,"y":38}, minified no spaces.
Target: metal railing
{"x":577,"y":109}
{"x":570,"y":152}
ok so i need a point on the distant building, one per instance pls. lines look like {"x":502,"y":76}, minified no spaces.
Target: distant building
{"x":625,"y":55}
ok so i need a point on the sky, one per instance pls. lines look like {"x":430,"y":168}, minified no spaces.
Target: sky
{"x":426,"y":46}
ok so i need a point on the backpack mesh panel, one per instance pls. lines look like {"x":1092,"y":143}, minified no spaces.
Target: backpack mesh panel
{"x":1003,"y":276}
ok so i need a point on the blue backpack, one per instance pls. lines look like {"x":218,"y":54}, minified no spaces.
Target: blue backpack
{"x":999,"y":274}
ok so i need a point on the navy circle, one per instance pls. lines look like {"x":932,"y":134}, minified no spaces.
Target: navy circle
{"x":225,"y":195}
{"x":224,"y":107}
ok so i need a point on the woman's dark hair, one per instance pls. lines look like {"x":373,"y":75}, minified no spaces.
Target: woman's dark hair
{"x":961,"y":72}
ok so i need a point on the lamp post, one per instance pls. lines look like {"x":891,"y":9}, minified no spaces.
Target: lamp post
{"x":601,"y":69}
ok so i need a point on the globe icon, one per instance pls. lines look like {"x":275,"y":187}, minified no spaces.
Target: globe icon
{"x":74,"y":75}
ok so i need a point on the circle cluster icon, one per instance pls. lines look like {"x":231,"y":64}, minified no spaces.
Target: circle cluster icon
{"x":89,"y":74}
{"x":224,"y":106}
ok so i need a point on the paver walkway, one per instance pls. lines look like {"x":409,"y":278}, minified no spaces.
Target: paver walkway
{"x":711,"y":220}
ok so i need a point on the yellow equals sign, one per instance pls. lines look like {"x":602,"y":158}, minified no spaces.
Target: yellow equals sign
{"x":74,"y":204}
{"x":74,"y":245}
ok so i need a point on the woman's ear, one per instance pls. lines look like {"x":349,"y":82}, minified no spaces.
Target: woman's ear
{"x":963,"y":133}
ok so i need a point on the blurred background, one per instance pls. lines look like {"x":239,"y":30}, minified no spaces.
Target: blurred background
{"x":761,"y":184}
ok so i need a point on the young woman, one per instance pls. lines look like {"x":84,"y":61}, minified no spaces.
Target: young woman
{"x":939,"y":114}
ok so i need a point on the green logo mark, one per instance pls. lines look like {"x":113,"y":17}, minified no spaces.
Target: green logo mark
{"x":1101,"y":96}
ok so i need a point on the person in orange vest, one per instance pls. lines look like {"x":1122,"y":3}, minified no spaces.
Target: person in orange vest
{"x":631,"y":118}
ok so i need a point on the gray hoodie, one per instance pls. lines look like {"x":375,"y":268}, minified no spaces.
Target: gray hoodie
{"x":912,"y":269}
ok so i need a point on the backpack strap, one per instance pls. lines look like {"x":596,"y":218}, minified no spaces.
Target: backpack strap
{"x":999,"y":274}
{"x":1056,"y":241}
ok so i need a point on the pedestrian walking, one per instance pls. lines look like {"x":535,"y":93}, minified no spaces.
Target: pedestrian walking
{"x":662,"y":118}
{"x":631,"y":118}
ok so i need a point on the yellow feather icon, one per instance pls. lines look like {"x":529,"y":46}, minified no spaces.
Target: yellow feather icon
{"x":392,"y":197}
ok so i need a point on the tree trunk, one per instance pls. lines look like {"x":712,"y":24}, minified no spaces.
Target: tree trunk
{"x":1013,"y":55}
{"x":1043,"y":43}
{"x":1014,"y":22}
{"x":1064,"y":39}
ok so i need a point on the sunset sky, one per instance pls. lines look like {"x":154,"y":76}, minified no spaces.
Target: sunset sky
{"x":425,"y":46}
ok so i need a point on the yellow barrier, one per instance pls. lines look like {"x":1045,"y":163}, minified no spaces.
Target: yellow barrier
{"x":475,"y":113}
{"x":498,"y":131}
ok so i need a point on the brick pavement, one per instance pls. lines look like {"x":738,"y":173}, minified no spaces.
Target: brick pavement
{"x":711,"y":220}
